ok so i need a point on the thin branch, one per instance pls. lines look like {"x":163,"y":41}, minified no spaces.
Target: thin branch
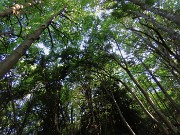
{"x":49,"y":32}
{"x":20,"y":32}
{"x":163,"y":42}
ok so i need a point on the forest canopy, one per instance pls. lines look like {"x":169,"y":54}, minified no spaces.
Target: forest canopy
{"x":89,"y":67}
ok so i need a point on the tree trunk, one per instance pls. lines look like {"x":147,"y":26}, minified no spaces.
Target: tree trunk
{"x":168,"y":60}
{"x":144,"y":108}
{"x":12,"y":59}
{"x":172,"y":34}
{"x":148,"y":99}
{"x":166,"y":51}
{"x":120,"y":113}
{"x":162,"y":89}
{"x":170,"y":16}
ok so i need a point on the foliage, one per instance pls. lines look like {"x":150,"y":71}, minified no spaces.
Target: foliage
{"x":98,"y":67}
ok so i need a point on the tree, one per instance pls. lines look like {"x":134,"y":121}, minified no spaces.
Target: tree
{"x":85,"y":67}
{"x":11,"y":60}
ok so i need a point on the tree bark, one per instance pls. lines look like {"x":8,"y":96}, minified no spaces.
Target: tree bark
{"x":12,"y":59}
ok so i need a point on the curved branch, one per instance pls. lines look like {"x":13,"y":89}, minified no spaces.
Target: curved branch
{"x":163,"y":13}
{"x":20,"y":32}
{"x":163,"y":42}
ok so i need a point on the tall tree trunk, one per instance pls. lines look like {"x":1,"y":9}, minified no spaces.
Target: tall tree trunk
{"x":162,"y":89}
{"x":144,"y":108}
{"x":168,"y":60}
{"x":12,"y":59}
{"x":148,"y":99}
{"x":16,"y":8}
{"x":171,"y":33}
{"x":120,"y":113}
{"x":165,"y":52}
{"x":170,"y":16}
